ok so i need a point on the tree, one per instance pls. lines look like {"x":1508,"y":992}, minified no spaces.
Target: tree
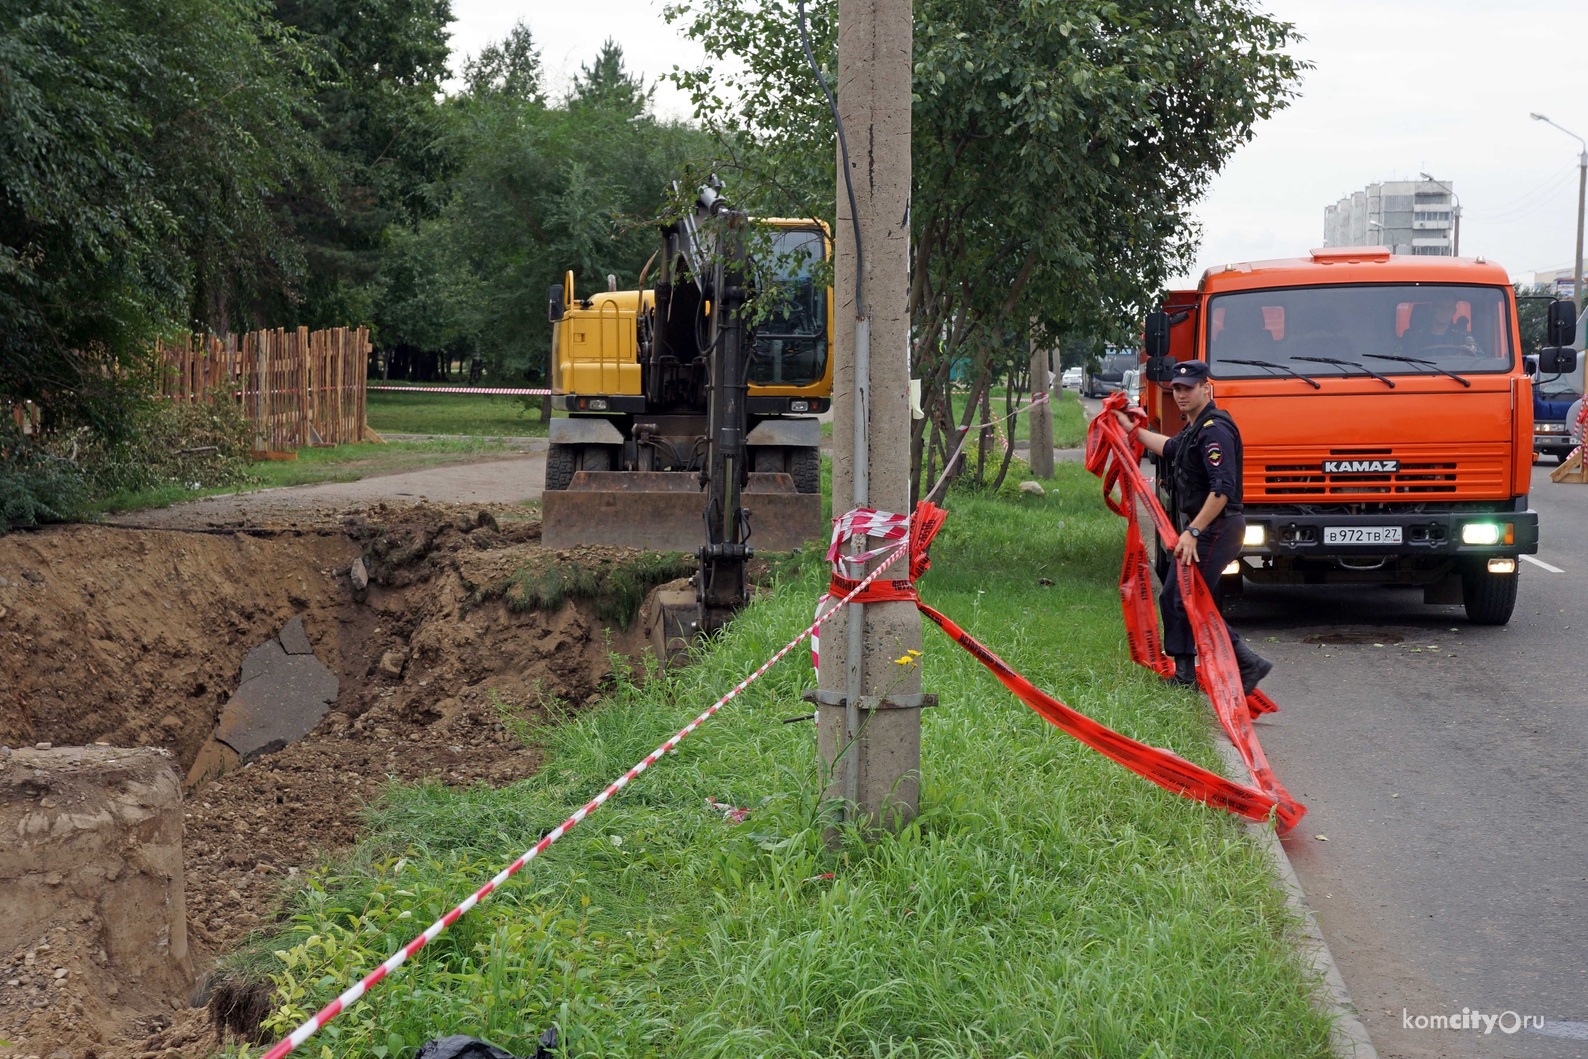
{"x":607,"y":85}
{"x":1057,"y":149}
{"x":539,"y":189}
{"x":380,"y":65}
{"x":140,"y":145}
{"x":510,"y":67}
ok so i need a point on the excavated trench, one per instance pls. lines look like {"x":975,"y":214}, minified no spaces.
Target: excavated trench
{"x":138,"y":638}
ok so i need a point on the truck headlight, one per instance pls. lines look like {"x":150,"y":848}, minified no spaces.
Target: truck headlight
{"x":1485,"y":533}
{"x":1233,"y":568}
{"x":1502,"y":566}
{"x":1255,"y":536}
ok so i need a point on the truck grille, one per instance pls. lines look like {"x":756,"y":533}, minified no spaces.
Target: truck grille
{"x":1419,"y":475}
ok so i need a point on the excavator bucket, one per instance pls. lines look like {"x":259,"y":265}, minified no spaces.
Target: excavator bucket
{"x":665,"y":511}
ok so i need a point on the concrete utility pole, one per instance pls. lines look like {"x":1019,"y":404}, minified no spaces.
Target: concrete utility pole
{"x":1582,"y":200}
{"x":879,"y":776}
{"x":1041,"y":415}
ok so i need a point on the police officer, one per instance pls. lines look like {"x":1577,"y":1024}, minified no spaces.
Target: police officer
{"x":1205,"y":458}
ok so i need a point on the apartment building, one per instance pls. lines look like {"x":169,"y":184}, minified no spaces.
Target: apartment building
{"x":1418,"y":217}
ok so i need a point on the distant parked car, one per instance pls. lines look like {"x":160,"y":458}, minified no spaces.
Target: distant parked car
{"x":1071,"y":379}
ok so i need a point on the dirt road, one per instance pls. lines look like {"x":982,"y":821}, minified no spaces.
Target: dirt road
{"x":512,"y":479}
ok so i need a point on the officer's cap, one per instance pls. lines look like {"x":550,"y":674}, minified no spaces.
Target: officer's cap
{"x":1189,"y":373}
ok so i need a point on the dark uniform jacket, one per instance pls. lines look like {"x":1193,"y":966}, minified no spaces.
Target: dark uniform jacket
{"x":1206,"y":458}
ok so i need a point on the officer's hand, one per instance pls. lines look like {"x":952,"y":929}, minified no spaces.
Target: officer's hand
{"x":1124,"y":420}
{"x":1185,"y":548}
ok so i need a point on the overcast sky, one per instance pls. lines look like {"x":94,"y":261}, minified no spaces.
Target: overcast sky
{"x":1400,"y":87}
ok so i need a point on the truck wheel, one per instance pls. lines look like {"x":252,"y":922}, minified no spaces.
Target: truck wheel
{"x":595,"y":458}
{"x":805,"y":464}
{"x":560,"y":461}
{"x":1489,"y":598}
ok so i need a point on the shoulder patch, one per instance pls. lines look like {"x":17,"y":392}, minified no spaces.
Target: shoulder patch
{"x":1215,"y":453}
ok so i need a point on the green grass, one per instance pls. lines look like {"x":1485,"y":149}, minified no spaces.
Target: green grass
{"x":1069,"y":418}
{"x":453,"y":413}
{"x":343,"y":463}
{"x":1046,"y":902}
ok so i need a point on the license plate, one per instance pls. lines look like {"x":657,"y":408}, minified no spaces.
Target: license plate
{"x":1361,"y":535}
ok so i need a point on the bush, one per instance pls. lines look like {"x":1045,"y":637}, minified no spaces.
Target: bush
{"x":36,"y":486}
{"x":198,"y":445}
{"x":66,"y":477}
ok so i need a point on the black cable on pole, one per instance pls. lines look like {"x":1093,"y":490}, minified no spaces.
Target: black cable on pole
{"x":843,"y":150}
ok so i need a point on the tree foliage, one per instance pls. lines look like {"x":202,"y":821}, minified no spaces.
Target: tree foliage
{"x":1057,"y":149}
{"x":139,"y":145}
{"x":380,"y":66}
{"x":540,"y":188}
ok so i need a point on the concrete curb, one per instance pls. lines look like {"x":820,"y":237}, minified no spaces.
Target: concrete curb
{"x":1347,"y":1035}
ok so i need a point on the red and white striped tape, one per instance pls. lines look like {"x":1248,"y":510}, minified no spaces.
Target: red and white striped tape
{"x":363,"y":985}
{"x":867,"y":522}
{"x":860,"y":520}
{"x":501,"y":391}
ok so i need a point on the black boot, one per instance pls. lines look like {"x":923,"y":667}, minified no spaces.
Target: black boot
{"x":1185,"y":672}
{"x":1254,"y":667}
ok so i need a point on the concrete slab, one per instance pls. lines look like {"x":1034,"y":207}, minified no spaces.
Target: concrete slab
{"x":284,"y":692}
{"x":293,"y":639}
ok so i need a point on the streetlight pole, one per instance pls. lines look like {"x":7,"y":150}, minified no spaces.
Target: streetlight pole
{"x":1455,"y":250}
{"x":1582,"y":198}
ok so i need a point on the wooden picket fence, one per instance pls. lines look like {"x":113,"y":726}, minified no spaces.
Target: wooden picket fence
{"x":299,"y":387}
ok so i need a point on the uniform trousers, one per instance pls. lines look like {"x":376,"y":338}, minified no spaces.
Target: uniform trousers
{"x":1219,"y":544}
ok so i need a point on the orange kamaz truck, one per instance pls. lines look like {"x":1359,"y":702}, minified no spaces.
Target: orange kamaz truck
{"x":1385,"y":413}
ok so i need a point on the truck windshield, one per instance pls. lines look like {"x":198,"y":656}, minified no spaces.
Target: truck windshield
{"x":1116,"y":364}
{"x":791,"y":344}
{"x":1412,"y":329}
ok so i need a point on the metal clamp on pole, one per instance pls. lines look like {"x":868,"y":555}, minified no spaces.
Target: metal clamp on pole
{"x":916,"y":701}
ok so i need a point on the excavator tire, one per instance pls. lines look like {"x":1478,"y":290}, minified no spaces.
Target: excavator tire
{"x":561,"y":462}
{"x":805,"y":464}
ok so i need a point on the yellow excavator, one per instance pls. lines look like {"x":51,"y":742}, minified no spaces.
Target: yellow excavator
{"x":691,"y":417}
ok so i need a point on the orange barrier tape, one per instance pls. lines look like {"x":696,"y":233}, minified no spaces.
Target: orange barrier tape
{"x":1163,"y":767}
{"x":1114,"y":457}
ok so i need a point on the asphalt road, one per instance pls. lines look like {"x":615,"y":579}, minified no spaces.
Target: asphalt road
{"x":1447,"y":766}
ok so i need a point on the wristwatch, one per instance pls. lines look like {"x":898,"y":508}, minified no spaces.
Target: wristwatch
{"x":1195,"y":533}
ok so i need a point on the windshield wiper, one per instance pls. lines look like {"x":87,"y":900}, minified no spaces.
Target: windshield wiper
{"x":1386,"y":380}
{"x":1316,"y":385}
{"x":1418,"y":360}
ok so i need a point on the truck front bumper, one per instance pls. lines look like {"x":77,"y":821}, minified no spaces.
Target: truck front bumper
{"x":1435,"y":534}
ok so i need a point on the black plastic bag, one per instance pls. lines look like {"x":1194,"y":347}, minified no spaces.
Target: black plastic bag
{"x":461,"y":1047}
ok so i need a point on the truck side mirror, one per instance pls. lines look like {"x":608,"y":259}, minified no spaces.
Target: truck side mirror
{"x":1557,"y":360}
{"x":1530,"y":364}
{"x":557,"y":308}
{"x":1158,"y":369}
{"x":1156,"y":334}
{"x":1562,"y":324}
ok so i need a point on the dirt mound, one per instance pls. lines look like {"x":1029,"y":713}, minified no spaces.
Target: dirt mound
{"x":94,"y":932}
{"x":138,"y":638}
